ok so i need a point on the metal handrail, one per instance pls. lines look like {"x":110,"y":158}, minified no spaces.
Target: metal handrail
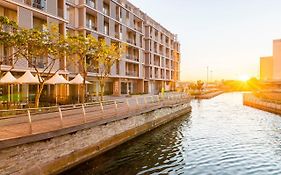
{"x":110,"y":107}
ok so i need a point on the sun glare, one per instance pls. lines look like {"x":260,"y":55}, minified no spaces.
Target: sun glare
{"x":244,"y":77}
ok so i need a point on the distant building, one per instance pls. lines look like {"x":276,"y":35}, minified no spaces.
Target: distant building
{"x":276,"y":59}
{"x":266,"y":68}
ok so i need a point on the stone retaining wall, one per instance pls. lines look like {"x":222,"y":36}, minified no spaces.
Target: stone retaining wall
{"x":54,"y":155}
{"x":252,"y":101}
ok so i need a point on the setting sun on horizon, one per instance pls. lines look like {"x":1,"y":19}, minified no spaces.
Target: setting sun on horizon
{"x":244,"y":77}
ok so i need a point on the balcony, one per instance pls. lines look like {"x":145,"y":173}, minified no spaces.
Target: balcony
{"x":156,"y":75}
{"x":93,"y":70}
{"x":91,"y":3}
{"x":41,"y":5}
{"x":105,"y":9}
{"x":90,"y":23}
{"x":71,"y":1}
{"x":37,"y":62}
{"x":91,"y":26}
{"x":131,"y":41}
{"x":168,"y":77}
{"x":132,"y":57}
{"x":156,"y":63}
{"x":132,"y":73}
{"x":138,"y":28}
{"x":117,"y":35}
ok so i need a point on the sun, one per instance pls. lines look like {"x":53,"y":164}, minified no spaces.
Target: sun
{"x":244,"y":77}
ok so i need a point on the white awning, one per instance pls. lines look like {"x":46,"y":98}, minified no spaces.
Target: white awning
{"x":8,"y":78}
{"x":57,"y":79}
{"x":27,"y":78}
{"x":40,"y":79}
{"x":78,"y":80}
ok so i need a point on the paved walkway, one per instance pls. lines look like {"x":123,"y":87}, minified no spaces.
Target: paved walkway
{"x":21,"y":126}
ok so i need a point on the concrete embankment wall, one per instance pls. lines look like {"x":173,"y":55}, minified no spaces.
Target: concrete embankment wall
{"x":208,"y":95}
{"x":57,"y":154}
{"x":252,"y":101}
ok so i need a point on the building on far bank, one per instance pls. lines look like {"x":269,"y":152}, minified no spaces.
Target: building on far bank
{"x":266,"y":68}
{"x":276,"y":60}
{"x":152,"y":58}
{"x":270,"y":67}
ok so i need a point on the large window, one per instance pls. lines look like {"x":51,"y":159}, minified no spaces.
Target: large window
{"x":70,"y":16}
{"x":105,"y":9}
{"x":39,"y":23}
{"x":91,"y":22}
{"x":106,"y":28}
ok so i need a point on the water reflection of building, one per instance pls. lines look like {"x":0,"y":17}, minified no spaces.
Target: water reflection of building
{"x":150,"y":62}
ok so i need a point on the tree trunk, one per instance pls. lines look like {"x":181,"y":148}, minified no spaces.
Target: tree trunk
{"x":38,"y":94}
{"x":84,"y":88}
{"x":102,"y":84}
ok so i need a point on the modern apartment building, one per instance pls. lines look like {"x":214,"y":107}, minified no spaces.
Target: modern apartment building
{"x":152,"y":57}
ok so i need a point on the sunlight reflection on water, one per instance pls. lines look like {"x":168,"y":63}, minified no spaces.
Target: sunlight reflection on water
{"x":219,"y":136}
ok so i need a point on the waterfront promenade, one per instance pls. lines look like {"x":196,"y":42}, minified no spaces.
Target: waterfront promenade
{"x":17,"y":124}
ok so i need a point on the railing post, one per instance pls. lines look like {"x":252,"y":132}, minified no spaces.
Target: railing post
{"x":61,"y":119}
{"x":144,"y":100}
{"x":128,"y":105}
{"x":137,"y":102}
{"x":84,"y":113}
{"x":29,"y":121}
{"x":101,"y":107}
{"x":115,"y":103}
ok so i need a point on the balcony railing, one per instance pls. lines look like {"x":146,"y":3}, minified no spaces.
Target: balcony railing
{"x":156,"y":63}
{"x":132,"y":73}
{"x":71,"y":1}
{"x":91,"y":26}
{"x":138,"y":28}
{"x":91,"y":3}
{"x":131,"y":41}
{"x":5,"y":60}
{"x":39,"y":5}
{"x":132,"y":57}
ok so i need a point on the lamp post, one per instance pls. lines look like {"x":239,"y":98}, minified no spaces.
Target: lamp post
{"x":207,"y":76}
{"x":211,"y":79}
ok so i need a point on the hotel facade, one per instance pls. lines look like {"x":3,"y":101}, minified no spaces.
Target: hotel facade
{"x":152,"y":58}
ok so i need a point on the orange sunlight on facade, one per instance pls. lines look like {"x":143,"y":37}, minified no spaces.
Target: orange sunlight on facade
{"x":266,"y":68}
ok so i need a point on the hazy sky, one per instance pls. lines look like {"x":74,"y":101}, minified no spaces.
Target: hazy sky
{"x":229,"y":36}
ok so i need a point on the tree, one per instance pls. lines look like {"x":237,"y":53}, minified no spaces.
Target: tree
{"x":80,"y":50}
{"x":200,"y":85}
{"x":7,"y":28}
{"x":42,"y":49}
{"x":106,"y":55}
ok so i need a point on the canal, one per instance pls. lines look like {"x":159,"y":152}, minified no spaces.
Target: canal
{"x":219,"y":136}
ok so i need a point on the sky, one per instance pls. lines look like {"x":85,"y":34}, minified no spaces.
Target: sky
{"x":227,"y":36}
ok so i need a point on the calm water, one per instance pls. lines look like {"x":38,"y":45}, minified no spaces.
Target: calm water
{"x":220,"y":136}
